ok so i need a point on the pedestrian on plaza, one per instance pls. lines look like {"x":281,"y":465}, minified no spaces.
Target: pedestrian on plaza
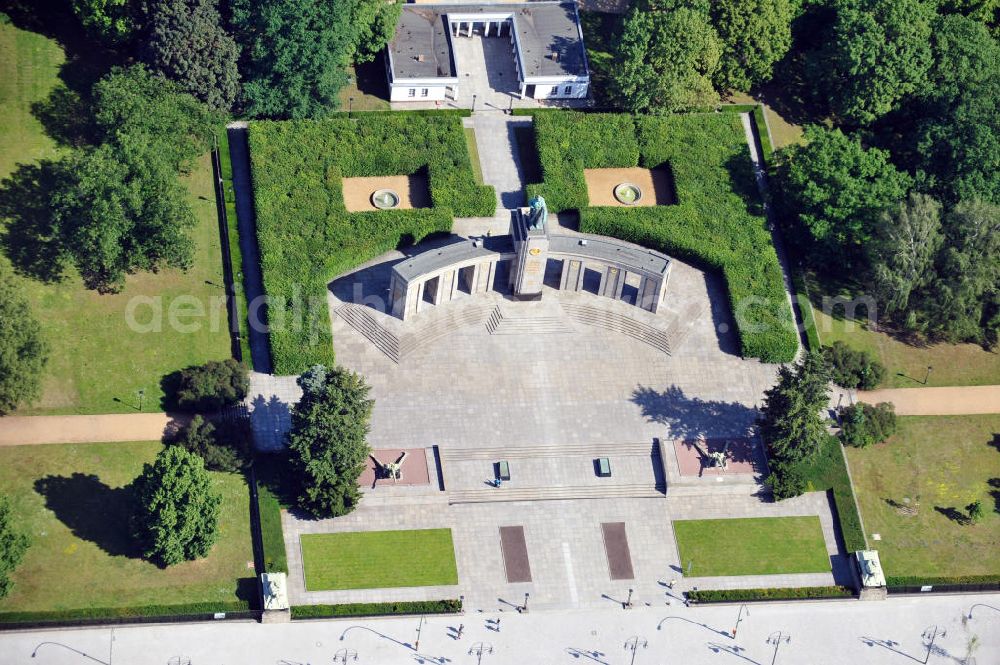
{"x":461,"y":627}
{"x":672,"y":583}
{"x":498,"y":625}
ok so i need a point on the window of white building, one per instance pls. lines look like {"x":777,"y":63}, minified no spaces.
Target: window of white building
{"x":424,"y":92}
{"x":412,"y":92}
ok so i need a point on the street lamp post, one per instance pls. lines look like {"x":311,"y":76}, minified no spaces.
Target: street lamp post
{"x":739,"y":617}
{"x":995,"y":609}
{"x":635,"y":643}
{"x":345,"y":655}
{"x":68,"y":648}
{"x":479,"y":649}
{"x":141,"y":393}
{"x":776,"y":639}
{"x":473,"y":103}
{"x":928,"y":374}
{"x":461,"y":604}
{"x":628,"y":603}
{"x":524,"y":608}
{"x":930,"y":635}
{"x":350,"y":105}
{"x":416,"y":647}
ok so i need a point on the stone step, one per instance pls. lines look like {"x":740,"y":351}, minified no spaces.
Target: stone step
{"x":554,"y":450}
{"x":358,"y":318}
{"x":609,"y":320}
{"x":730,"y":487}
{"x":536,"y":325}
{"x":558,"y":493}
{"x":434,"y":330}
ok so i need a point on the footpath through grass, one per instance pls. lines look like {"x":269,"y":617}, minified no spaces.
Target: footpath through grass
{"x":751,"y":546}
{"x":73,"y":501}
{"x":379,"y":559}
{"x":913,"y":490}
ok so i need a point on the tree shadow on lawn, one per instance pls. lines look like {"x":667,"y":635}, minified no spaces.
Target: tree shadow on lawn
{"x":953,"y":514}
{"x":30,"y":238}
{"x":92,"y":510}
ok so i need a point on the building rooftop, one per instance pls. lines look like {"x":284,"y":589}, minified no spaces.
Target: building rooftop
{"x":548,"y":34}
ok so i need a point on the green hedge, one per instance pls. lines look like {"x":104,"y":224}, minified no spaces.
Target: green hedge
{"x":718,"y":222}
{"x":735,"y":595}
{"x":307,"y":237}
{"x":828,"y":471}
{"x":275,"y":559}
{"x":908,"y":580}
{"x":87,"y":613}
{"x":376,"y":609}
{"x":226,"y":166}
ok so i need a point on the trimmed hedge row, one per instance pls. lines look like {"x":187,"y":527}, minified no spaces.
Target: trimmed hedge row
{"x":718,"y":222}
{"x":828,"y":471}
{"x":376,"y":609}
{"x":226,"y":166}
{"x":910,"y":580}
{"x":98,"y":613}
{"x":734,"y":595}
{"x":307,"y":237}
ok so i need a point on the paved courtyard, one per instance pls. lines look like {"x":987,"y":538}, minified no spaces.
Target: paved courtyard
{"x":550,"y":392}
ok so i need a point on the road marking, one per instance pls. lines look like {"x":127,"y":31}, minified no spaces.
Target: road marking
{"x":568,"y":560}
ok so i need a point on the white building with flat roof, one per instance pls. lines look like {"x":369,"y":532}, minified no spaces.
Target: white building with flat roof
{"x":546,"y":44}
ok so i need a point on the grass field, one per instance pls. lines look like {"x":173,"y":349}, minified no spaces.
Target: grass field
{"x":940,"y":464}
{"x":751,"y":546}
{"x":379,"y":559}
{"x":477,"y":167}
{"x":97,"y":363}
{"x":71,"y":500}
{"x":954,"y":364}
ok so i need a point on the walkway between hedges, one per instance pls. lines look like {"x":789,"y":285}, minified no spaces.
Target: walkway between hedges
{"x":30,"y":430}
{"x":944,"y":401}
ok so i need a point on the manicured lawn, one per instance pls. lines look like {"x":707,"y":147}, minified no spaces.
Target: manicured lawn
{"x":954,"y":364}
{"x":369,"y":88}
{"x":379,"y":559}
{"x":470,"y":142}
{"x":72,"y":501}
{"x":29,"y":69}
{"x":751,"y":546}
{"x":97,"y":362}
{"x":940,"y":464}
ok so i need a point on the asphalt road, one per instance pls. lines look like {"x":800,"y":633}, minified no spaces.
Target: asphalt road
{"x":894,"y":632}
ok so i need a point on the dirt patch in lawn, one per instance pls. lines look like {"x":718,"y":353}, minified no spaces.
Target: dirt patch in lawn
{"x":657,"y":186}
{"x":412,"y":190}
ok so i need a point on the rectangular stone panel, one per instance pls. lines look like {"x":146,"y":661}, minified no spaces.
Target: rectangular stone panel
{"x":616,"y":547}
{"x":515,"y":554}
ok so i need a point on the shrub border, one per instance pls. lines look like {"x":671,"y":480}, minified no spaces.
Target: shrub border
{"x":86,"y":616}
{"x":769,"y":594}
{"x":306,"y":612}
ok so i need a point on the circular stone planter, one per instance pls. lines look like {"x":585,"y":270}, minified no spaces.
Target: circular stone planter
{"x":628,"y":193}
{"x":385,"y":199}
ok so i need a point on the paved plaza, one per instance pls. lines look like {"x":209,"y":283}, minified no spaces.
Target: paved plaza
{"x":548,"y":387}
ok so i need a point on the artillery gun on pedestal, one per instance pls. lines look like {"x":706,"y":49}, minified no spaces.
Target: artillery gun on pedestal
{"x":392,"y":470}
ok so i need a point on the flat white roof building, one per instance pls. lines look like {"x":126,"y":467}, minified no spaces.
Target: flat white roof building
{"x":546,"y":44}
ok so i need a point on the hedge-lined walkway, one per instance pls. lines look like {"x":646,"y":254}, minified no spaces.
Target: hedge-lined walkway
{"x":944,"y":401}
{"x":30,"y":430}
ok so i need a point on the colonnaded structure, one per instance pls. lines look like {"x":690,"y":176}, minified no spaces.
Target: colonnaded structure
{"x":524,"y":261}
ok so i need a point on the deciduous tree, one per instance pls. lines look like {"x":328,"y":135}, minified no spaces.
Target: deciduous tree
{"x":666,"y":58}
{"x":756,"y":34}
{"x":878,"y":53}
{"x":134,"y":105}
{"x":122,"y":210}
{"x":188,"y":44}
{"x":839,"y":189}
{"x":177,"y":510}
{"x":327,"y":443}
{"x":23,"y":349}
{"x":903,"y":251}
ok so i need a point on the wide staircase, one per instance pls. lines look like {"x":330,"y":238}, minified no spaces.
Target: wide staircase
{"x":398,"y":347}
{"x":599,"y":317}
{"x":500,"y":323}
{"x":641,"y":449}
{"x":565,"y":492}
